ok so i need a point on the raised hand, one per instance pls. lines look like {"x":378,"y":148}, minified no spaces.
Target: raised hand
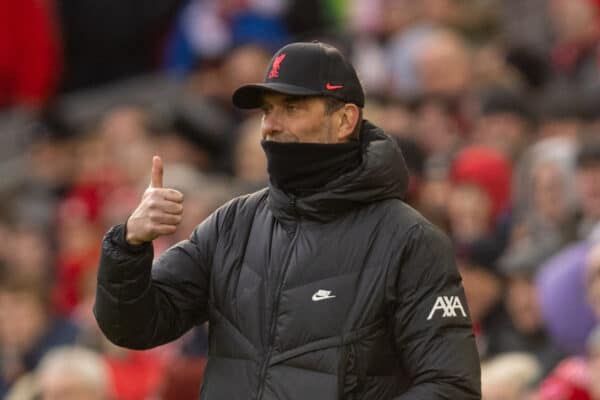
{"x":159,"y":212}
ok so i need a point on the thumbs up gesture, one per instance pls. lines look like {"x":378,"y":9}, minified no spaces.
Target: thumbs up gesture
{"x":159,"y":212}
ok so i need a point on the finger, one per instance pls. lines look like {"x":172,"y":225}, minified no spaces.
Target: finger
{"x":171,"y":207}
{"x":166,"y":219}
{"x":157,"y":172}
{"x":173,"y":195}
{"x":165,"y":229}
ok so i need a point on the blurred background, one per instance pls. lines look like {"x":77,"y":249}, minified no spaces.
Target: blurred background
{"x":495,"y":104}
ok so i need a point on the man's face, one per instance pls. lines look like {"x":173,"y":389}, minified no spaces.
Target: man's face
{"x":503,"y":131}
{"x":22,"y":320}
{"x":297,"y":119}
{"x":588,"y":179}
{"x":522,"y":304}
{"x":469,"y":212}
{"x":549,"y":186}
{"x":571,"y":19}
{"x":482,"y":288}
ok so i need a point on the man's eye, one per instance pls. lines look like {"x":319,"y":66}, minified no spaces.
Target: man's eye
{"x":291,"y":107}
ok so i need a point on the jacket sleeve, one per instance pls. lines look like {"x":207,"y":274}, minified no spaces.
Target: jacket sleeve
{"x":139,"y":304}
{"x":432,"y":327}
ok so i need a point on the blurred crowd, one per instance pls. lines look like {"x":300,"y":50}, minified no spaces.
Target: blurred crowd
{"x":495,"y":104}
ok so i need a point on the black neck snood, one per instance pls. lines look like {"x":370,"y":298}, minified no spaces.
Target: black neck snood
{"x":301,"y":168}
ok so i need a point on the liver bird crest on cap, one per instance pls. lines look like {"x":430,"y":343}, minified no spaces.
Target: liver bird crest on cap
{"x":274,"y":73}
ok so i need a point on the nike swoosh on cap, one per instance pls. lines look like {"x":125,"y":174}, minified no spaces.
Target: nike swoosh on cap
{"x":329,"y":86}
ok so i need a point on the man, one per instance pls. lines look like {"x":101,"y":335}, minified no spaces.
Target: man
{"x":28,"y":328}
{"x":65,"y":373}
{"x":73,"y":373}
{"x":325,"y":285}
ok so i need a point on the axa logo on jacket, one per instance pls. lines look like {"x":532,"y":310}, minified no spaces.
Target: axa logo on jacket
{"x":449,"y":305}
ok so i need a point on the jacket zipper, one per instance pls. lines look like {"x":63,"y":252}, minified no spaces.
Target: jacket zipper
{"x":271,"y":338}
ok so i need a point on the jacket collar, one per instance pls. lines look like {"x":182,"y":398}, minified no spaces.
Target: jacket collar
{"x":381,"y":175}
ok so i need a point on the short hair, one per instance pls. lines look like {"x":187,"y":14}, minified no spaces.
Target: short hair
{"x":332,"y":105}
{"x":588,"y":155}
{"x":84,"y":364}
{"x":518,"y":369}
{"x":500,"y":100}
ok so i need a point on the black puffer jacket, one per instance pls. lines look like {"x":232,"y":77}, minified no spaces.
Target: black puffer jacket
{"x":344,"y":294}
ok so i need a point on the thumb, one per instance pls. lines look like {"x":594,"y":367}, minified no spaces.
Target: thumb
{"x":157,"y":173}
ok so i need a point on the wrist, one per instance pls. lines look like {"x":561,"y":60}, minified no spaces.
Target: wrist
{"x":132,"y":241}
{"x":130,"y":238}
{"x":117,"y":236}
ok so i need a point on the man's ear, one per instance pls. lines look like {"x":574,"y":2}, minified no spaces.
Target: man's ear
{"x":349,"y":115}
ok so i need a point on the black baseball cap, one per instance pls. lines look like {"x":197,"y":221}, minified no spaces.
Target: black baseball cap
{"x":305,"y":69}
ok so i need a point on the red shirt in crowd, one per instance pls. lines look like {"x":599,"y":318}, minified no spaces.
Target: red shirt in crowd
{"x":30,"y":60}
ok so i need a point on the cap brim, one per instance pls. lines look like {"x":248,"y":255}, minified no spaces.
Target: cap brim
{"x":250,"y":96}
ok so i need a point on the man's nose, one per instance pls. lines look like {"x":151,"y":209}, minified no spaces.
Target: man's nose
{"x":271,"y":124}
